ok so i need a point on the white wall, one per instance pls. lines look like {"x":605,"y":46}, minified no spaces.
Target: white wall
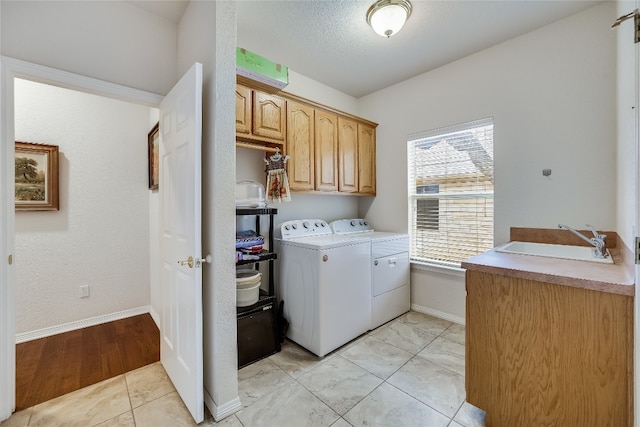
{"x":308,"y":88}
{"x":113,"y":41}
{"x":100,"y":235}
{"x":551,"y":93}
{"x":206,"y":34}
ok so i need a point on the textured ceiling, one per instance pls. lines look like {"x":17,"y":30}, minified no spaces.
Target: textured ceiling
{"x":330,"y":41}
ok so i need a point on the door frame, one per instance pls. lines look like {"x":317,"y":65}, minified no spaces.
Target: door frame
{"x":636,"y":305}
{"x":10,"y":69}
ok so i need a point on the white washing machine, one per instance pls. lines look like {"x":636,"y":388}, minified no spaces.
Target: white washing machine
{"x":390,"y":287}
{"x":325,"y":283}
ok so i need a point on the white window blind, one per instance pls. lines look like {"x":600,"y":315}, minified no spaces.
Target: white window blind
{"x":450,"y":183}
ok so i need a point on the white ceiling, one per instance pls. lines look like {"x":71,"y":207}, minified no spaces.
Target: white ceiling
{"x":330,"y":41}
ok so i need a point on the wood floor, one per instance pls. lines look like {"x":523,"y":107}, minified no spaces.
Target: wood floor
{"x":52,"y":366}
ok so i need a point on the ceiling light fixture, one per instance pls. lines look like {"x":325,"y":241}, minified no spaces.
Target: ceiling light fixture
{"x":387,"y":17}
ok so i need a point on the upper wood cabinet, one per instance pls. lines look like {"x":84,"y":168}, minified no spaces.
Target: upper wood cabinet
{"x":243,"y":109}
{"x":269,"y":116}
{"x":366,"y":159}
{"x":329,"y":151}
{"x":260,"y":118}
{"x":300,"y":146}
{"x":326,"y":151}
{"x":347,"y":155}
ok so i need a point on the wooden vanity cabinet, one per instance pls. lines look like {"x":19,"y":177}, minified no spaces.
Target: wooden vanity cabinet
{"x":541,"y":354}
{"x":261,"y":118}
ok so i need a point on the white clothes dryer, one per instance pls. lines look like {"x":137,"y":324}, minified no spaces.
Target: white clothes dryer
{"x":390,"y":268}
{"x":325,"y":283}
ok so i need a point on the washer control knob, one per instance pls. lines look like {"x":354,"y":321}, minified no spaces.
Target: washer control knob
{"x":305,"y":224}
{"x":353,"y":222}
{"x":286,"y":227}
{"x":365,"y":223}
{"x":294,"y":226}
{"x":375,"y":262}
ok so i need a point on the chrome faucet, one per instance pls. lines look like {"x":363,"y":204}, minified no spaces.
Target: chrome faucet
{"x":598,"y":240}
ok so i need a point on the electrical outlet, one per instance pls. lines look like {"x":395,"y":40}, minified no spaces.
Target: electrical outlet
{"x":84,"y":291}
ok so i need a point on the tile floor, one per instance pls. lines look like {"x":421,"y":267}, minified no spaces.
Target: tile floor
{"x":409,"y":372}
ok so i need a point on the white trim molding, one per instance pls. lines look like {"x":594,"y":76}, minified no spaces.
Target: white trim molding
{"x":439,"y":314}
{"x":224,"y":410}
{"x":79,"y":324}
{"x":67,"y":80}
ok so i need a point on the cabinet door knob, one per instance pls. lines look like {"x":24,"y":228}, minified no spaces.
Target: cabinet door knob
{"x":325,"y":258}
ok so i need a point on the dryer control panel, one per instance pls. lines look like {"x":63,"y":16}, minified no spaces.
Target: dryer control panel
{"x":345,"y":226}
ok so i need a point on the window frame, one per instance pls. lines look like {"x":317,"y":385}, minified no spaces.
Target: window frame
{"x":474,"y":197}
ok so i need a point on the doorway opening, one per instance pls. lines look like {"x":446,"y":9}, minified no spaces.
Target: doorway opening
{"x":14,"y":71}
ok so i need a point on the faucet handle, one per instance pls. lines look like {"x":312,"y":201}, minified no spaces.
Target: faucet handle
{"x":595,"y":232}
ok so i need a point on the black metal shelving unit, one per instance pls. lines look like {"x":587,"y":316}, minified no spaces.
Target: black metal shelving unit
{"x":258,"y":335}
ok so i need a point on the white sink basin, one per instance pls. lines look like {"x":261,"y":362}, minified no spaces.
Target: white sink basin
{"x":582,"y":253}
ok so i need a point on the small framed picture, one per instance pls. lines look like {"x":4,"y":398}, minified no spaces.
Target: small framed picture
{"x":36,"y":177}
{"x":154,"y":141}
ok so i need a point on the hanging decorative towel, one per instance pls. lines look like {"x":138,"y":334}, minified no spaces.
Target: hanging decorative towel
{"x":277,"y":182}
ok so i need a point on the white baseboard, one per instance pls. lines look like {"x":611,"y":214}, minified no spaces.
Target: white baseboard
{"x":222,"y":411}
{"x":79,"y":324}
{"x":440,"y":314}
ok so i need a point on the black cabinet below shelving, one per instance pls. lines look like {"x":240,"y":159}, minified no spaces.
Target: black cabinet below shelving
{"x":257,"y":332}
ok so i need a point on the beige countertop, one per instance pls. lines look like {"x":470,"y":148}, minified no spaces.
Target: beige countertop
{"x":614,"y":278}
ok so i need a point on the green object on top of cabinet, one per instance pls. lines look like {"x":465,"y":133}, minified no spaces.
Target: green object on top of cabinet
{"x":259,"y":69}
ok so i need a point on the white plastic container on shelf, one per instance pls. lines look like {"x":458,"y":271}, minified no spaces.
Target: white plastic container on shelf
{"x":247,"y":287}
{"x":250,"y":194}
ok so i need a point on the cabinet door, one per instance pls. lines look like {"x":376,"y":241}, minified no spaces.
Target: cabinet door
{"x":347,"y":155}
{"x":326,"y":151}
{"x":269,"y":116}
{"x":243,"y":109}
{"x":300,"y":146}
{"x":366,"y":159}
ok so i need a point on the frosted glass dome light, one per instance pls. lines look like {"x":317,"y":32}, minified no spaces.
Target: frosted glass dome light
{"x":387,"y":17}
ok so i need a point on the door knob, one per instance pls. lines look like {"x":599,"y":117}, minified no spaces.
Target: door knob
{"x":197,"y":262}
{"x":188,"y":261}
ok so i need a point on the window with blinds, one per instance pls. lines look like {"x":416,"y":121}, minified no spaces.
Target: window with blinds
{"x":450,"y":179}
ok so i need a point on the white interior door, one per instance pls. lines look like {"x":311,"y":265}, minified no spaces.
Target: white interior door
{"x":180,"y":239}
{"x":7,"y":217}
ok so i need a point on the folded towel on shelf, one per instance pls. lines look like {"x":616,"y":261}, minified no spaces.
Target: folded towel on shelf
{"x":248,"y":238}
